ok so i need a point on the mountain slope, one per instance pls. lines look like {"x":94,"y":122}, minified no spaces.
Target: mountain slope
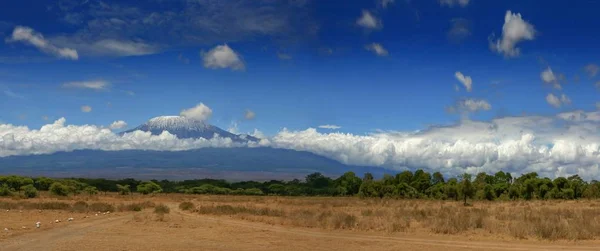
{"x":228,"y":163}
{"x":185,"y":128}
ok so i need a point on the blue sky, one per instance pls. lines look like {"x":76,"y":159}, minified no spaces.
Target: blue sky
{"x":305,"y":62}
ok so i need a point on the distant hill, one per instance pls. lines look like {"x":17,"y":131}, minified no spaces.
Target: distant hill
{"x":227,"y":163}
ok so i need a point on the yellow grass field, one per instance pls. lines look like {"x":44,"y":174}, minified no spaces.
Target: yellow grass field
{"x":187,"y":222}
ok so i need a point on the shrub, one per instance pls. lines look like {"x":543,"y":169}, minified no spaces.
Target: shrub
{"x":29,"y":191}
{"x":5,"y":190}
{"x":161,"y":209}
{"x":55,"y":205}
{"x":186,"y":205}
{"x":90,"y":190}
{"x":148,"y":187}
{"x":123,"y":189}
{"x":59,"y":189}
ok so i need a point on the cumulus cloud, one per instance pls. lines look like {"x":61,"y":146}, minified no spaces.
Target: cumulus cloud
{"x":377,"y":49}
{"x":514,"y":31}
{"x":451,"y":3}
{"x":560,"y":145}
{"x":119,"y":124}
{"x":369,"y":21}
{"x":93,"y":84}
{"x":549,"y":77}
{"x":200,"y":112}
{"x":86,"y":108}
{"x":249,"y":114}
{"x":470,"y":106}
{"x":29,"y":36}
{"x":222,"y":56}
{"x":332,"y":127}
{"x":553,"y":100}
{"x":592,"y":70}
{"x":465,"y":80}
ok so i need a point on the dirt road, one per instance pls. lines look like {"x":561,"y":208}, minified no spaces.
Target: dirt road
{"x":190,"y":231}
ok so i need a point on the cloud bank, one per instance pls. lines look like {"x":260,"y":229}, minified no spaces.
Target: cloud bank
{"x":559,"y":145}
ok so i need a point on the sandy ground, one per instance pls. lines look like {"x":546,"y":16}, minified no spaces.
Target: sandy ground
{"x":182,"y":230}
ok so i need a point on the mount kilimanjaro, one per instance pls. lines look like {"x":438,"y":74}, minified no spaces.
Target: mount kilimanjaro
{"x":238,"y":163}
{"x":185,"y":128}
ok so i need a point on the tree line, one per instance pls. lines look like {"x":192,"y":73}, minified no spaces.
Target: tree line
{"x":404,"y":185}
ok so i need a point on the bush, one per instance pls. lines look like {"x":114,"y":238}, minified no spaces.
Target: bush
{"x":148,"y":187}
{"x":90,"y":190}
{"x":162,"y":209}
{"x":29,"y":191}
{"x":123,"y":189}
{"x":5,"y":190}
{"x":186,"y":205}
{"x":59,"y":189}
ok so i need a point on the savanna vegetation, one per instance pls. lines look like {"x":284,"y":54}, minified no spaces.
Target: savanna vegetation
{"x":404,"y":185}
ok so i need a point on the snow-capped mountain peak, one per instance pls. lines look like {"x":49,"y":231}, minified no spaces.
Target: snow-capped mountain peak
{"x":184,"y":128}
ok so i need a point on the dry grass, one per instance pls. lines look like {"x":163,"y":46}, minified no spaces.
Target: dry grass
{"x":552,"y":220}
{"x":541,"y":220}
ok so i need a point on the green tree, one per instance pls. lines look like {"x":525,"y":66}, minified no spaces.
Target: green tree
{"x":437,"y":178}
{"x":29,"y":191}
{"x":43,"y":183}
{"x":466,"y":188}
{"x":5,"y":190}
{"x":59,"y":189}
{"x":91,"y":190}
{"x":148,"y":187}
{"x":349,"y":183}
{"x":123,"y":189}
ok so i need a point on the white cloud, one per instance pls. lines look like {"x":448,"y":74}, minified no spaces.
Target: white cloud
{"x":222,"y":56}
{"x":93,"y":84}
{"x":199,"y":112}
{"x":598,"y":105}
{"x":553,"y":100}
{"x":119,"y":124}
{"x":36,"y":39}
{"x":470,"y":106}
{"x":515,"y":30}
{"x":86,"y":108}
{"x":592,"y":70}
{"x":369,"y":21}
{"x":560,"y":145}
{"x":112,"y":47}
{"x":384,"y":3}
{"x":548,"y":76}
{"x":465,"y":80}
{"x":233,"y":128}
{"x":249,"y":114}
{"x":377,"y":49}
{"x":565,"y":100}
{"x":332,"y":127}
{"x":451,"y":3}
{"x":45,"y":118}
